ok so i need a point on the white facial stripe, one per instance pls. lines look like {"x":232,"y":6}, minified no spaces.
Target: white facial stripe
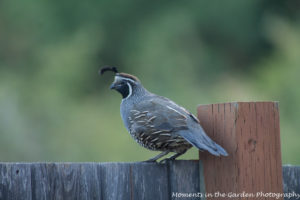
{"x":130,"y":91}
{"x":117,"y":78}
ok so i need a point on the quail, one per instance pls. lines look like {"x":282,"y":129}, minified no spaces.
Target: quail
{"x":156,"y":122}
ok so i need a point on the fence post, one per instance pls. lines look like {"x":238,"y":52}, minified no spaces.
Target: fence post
{"x":249,"y":131}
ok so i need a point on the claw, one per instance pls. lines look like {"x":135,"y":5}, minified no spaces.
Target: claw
{"x":154,"y":159}
{"x":164,"y":161}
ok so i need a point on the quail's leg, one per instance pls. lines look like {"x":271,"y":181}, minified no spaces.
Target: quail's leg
{"x":173,"y":157}
{"x":158,"y":156}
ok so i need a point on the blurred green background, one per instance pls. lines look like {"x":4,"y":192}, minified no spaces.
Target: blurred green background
{"x":55,"y":107}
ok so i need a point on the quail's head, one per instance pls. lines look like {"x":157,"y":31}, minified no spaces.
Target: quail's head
{"x":124,"y":83}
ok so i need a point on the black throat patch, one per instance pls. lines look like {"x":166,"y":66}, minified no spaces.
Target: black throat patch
{"x":124,"y":90}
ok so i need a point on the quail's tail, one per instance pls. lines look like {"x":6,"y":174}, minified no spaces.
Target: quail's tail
{"x":200,"y":140}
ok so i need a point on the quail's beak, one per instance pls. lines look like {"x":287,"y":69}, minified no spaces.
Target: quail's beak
{"x":113,"y":86}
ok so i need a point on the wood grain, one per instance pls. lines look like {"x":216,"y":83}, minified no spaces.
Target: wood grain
{"x":291,"y":177}
{"x":54,"y":181}
{"x":250,"y":134}
{"x":83,"y":181}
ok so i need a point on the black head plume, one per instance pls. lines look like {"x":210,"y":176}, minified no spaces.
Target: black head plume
{"x":104,"y":69}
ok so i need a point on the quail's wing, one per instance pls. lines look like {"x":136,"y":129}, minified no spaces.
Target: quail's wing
{"x":158,"y":114}
{"x":198,"y":137}
{"x":180,"y":109}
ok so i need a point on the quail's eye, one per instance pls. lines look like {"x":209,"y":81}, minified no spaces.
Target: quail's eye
{"x":119,"y":83}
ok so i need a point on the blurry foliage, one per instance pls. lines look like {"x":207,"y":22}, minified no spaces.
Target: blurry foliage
{"x":55,"y":107}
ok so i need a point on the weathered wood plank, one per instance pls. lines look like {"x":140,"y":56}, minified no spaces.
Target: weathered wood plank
{"x":65,"y":181}
{"x":42,"y":187}
{"x":249,"y":131}
{"x":15,"y":180}
{"x":116,"y":181}
{"x":291,"y":181}
{"x":149,"y":181}
{"x":184,"y":181}
{"x":20,"y":180}
{"x":5,"y":183}
{"x":91,"y":181}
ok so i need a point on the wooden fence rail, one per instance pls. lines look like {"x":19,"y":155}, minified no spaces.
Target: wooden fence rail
{"x":97,"y":180}
{"x":83,"y":181}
